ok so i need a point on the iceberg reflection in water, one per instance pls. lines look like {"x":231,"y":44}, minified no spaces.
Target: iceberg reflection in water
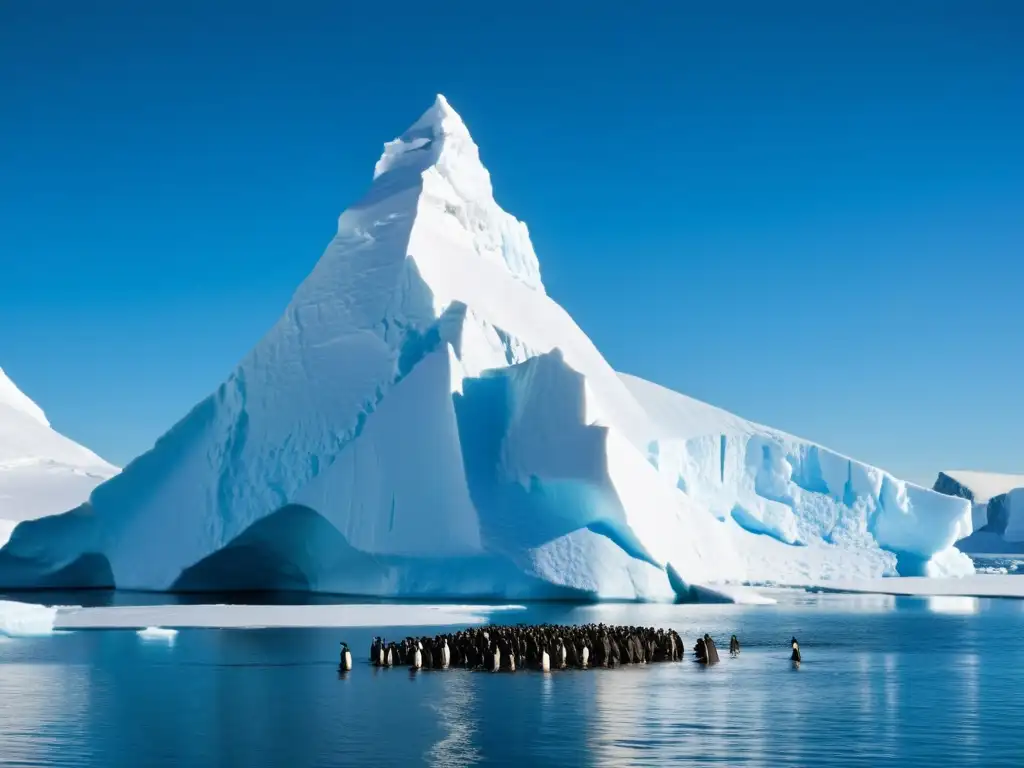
{"x":895,"y":680}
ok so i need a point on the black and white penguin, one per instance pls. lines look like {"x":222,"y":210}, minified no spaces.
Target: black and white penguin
{"x":345,"y":663}
{"x":795,"y":657}
{"x":376,"y":652}
{"x":417,"y":656}
{"x":560,"y":654}
{"x":734,"y":646}
{"x":545,"y":660}
{"x":446,"y":654}
{"x":494,"y":656}
{"x":584,"y":656}
{"x":427,"y":655}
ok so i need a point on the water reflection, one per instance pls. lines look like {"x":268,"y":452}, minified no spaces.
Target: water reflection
{"x":456,"y":713}
{"x":912,"y":685}
{"x":953,"y":604}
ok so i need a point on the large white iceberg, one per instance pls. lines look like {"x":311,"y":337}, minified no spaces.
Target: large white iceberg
{"x":997,"y":503}
{"x":41,"y":471}
{"x":425,"y":421}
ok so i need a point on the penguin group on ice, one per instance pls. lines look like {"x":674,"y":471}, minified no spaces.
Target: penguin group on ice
{"x":545,"y":647}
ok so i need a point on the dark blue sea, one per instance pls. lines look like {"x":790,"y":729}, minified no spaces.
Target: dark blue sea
{"x":894,"y":681}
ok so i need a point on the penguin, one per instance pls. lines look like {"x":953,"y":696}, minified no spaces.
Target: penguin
{"x":560,"y":654}
{"x":495,"y":656}
{"x":584,"y":656}
{"x":345,"y":663}
{"x":700,"y":651}
{"x":446,"y":654}
{"x":427,"y":656}
{"x":545,"y":661}
{"x":376,"y":654}
{"x":795,"y":656}
{"x":417,"y":657}
{"x":734,"y":646}
{"x":712,"y":650}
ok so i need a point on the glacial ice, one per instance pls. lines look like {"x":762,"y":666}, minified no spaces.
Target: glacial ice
{"x":25,"y":619}
{"x":41,"y":471}
{"x":997,"y":502}
{"x":424,"y":421}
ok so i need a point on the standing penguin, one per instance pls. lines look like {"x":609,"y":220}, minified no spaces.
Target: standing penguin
{"x":425,"y":653}
{"x":585,"y":655}
{"x":560,"y":654}
{"x":446,"y":654}
{"x":700,"y":650}
{"x":712,"y":649}
{"x":795,"y":656}
{"x":495,"y":657}
{"x":345,"y":663}
{"x":734,"y":646}
{"x":417,"y":656}
{"x":545,"y":660}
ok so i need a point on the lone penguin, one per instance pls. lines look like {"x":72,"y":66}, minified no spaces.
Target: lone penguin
{"x":734,"y":646}
{"x":345,"y":663}
{"x":795,"y":656}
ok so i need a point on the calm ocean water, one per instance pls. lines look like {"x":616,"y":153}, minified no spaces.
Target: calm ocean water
{"x":914,"y":682}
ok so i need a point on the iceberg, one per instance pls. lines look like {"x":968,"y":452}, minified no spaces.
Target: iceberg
{"x":997,"y":509}
{"x":26,"y":619}
{"x":425,"y":421}
{"x":41,"y":471}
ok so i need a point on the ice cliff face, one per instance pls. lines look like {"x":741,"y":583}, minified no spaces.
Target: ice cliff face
{"x":424,"y":421}
{"x":41,"y":471}
{"x":997,"y":503}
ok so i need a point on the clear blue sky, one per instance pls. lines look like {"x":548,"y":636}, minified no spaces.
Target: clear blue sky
{"x":808,"y":213}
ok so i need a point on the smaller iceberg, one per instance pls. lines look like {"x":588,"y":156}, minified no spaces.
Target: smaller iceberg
{"x":26,"y":619}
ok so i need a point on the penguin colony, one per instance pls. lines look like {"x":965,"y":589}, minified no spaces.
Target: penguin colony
{"x":545,"y":647}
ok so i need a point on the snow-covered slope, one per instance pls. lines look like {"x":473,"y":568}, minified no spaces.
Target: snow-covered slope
{"x":997,"y":509}
{"x":425,"y":421}
{"x":41,"y":471}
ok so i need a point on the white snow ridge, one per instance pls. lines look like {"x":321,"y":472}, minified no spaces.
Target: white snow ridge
{"x":424,"y":421}
{"x":41,"y":471}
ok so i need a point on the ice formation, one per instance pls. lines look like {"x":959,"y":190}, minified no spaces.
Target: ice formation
{"x":424,"y":421}
{"x":41,"y":471}
{"x":997,"y":503}
{"x":26,"y":619}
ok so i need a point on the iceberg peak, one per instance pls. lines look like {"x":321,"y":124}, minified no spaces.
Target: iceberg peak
{"x":441,"y":119}
{"x":437,"y":157}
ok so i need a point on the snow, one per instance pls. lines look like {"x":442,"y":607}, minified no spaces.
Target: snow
{"x":41,"y":471}
{"x":25,"y":619}
{"x":159,"y":620}
{"x":424,"y":421}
